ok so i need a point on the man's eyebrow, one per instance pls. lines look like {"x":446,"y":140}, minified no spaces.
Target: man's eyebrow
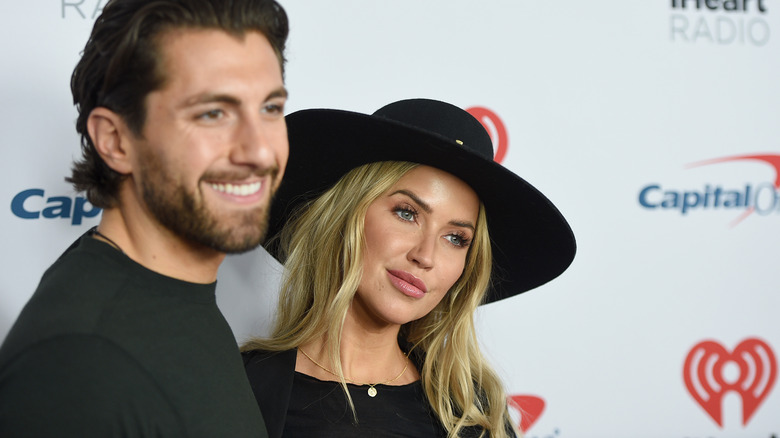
{"x":211,"y":98}
{"x":427,"y":208}
{"x":279,"y":92}
{"x":228,"y":98}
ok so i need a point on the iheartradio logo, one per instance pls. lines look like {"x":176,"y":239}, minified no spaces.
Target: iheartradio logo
{"x":495,"y":127}
{"x":710,"y":371}
{"x":528,"y":407}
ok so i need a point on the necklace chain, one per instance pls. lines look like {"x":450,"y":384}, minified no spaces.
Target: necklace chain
{"x":372,"y":392}
{"x":94,"y":232}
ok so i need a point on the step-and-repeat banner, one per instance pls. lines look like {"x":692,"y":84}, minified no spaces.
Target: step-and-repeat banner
{"x":654,"y":125}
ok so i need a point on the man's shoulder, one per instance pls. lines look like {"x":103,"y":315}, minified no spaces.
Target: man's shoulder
{"x":80,"y":276}
{"x":79,"y":379}
{"x":86,"y":262}
{"x":70,"y":299}
{"x":81,"y":357}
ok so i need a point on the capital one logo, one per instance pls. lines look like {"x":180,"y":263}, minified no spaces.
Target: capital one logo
{"x":711,"y":371}
{"x":34,"y":204}
{"x":761,"y":199}
{"x":529,"y":407}
{"x":754,"y":205}
{"x":495,"y":127}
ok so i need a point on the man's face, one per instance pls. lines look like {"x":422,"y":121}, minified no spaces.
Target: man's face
{"x":214,"y":144}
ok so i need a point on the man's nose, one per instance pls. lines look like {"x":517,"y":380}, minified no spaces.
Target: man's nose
{"x":253,"y":145}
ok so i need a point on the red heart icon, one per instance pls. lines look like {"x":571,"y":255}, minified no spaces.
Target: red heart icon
{"x":495,"y":128}
{"x":703,"y":373}
{"x":530,"y":408}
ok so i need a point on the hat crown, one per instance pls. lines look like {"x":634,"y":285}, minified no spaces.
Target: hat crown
{"x":442,"y":119}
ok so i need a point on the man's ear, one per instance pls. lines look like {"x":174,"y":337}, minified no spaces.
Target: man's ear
{"x":111,"y":137}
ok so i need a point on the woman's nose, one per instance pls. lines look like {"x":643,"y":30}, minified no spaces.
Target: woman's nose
{"x":422,"y":253}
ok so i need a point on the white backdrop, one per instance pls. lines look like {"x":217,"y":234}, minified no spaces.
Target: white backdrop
{"x":600,"y":100}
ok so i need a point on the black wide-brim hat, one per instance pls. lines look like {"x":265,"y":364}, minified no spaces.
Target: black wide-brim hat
{"x":532,"y":242}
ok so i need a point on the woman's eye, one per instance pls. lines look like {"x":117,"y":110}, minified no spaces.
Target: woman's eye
{"x":406,"y":215}
{"x":457,"y":240}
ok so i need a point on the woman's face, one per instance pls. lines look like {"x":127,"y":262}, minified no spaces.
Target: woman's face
{"x":417,"y":236}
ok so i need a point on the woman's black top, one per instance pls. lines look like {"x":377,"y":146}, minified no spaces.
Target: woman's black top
{"x":320,"y":408}
{"x":296,"y":405}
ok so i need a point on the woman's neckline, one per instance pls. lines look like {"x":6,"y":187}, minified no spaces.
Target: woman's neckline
{"x":355,"y":385}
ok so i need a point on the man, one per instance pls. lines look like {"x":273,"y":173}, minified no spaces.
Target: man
{"x":184,"y":142}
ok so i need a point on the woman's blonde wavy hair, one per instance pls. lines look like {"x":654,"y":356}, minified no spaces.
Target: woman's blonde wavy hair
{"x":317,"y":290}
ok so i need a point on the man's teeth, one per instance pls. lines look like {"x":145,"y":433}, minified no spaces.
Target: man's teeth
{"x":238,"y":189}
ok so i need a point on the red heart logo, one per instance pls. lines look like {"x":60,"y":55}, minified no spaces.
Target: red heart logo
{"x":495,"y":128}
{"x":703,"y":373}
{"x":530,"y":408}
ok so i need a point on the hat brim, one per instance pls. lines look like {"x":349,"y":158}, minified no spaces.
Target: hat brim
{"x":532,"y":242}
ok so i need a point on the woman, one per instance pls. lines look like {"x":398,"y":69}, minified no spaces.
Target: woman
{"x":393,"y":228}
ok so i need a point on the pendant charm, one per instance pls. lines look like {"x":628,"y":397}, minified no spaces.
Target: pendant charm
{"x":372,"y":392}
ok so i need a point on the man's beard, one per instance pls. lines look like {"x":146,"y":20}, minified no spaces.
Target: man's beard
{"x":185,"y":214}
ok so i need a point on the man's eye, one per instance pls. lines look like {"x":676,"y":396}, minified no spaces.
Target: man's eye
{"x":274,"y":108}
{"x":212,"y":115}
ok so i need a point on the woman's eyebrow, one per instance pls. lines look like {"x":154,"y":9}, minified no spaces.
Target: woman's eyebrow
{"x":427,"y":208}
{"x":464,"y":224}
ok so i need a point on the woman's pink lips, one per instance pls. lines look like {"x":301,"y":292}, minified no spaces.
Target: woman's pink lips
{"x":407,"y":283}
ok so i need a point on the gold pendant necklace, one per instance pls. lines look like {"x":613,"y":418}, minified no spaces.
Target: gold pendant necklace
{"x":372,"y":392}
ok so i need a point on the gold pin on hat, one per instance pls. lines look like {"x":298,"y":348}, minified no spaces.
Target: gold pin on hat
{"x":460,"y":142}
